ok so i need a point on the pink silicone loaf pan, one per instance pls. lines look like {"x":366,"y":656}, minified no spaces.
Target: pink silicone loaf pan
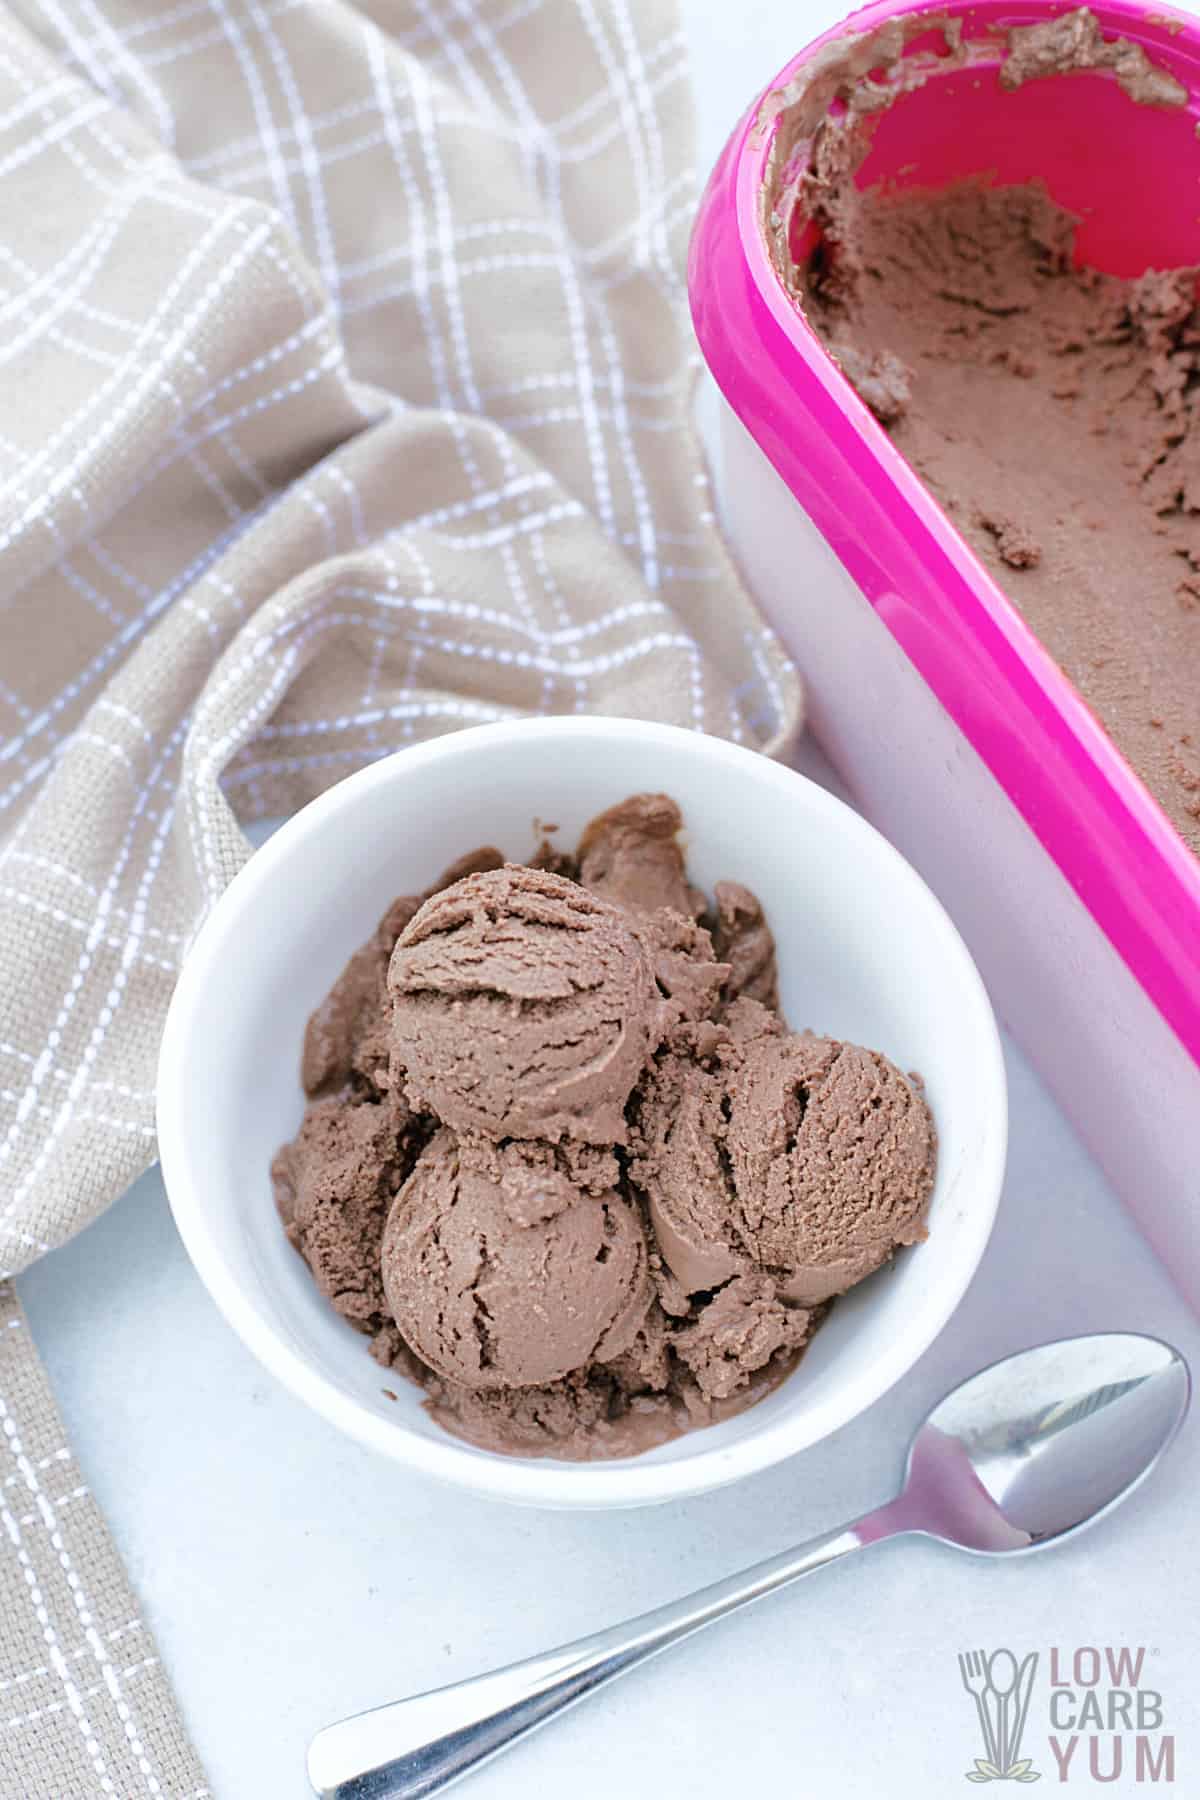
{"x":950,"y":724}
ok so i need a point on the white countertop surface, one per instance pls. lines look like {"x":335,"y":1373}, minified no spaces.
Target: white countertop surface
{"x":291,"y":1578}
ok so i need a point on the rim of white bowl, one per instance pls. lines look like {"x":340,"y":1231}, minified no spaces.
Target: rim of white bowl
{"x":548,"y":1481}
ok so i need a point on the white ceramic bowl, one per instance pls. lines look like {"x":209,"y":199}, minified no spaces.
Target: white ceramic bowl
{"x":865,"y":953}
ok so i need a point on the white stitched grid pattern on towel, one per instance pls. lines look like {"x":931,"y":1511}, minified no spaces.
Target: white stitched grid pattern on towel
{"x":84,"y":1706}
{"x":348,"y":383}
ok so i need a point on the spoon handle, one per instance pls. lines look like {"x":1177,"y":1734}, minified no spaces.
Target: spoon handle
{"x":416,"y":1747}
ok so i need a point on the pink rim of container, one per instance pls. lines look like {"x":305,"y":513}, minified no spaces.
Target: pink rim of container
{"x":1080,"y":797}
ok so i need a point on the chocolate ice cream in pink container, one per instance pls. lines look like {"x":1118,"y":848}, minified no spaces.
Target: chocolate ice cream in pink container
{"x":944,"y":277}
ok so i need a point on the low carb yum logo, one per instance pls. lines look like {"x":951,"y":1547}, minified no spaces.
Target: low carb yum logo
{"x":1105,"y":1722}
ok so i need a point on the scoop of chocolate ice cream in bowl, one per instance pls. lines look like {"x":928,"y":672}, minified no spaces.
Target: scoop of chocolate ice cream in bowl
{"x":583,"y":1111}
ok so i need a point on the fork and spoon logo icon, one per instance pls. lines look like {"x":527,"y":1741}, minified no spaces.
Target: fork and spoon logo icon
{"x":1000,"y":1687}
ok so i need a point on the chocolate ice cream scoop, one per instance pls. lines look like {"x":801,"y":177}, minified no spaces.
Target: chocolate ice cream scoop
{"x":737,"y":1333}
{"x":523,"y":1006}
{"x":756,"y":1150}
{"x":689,"y":978}
{"x":832,"y":1154}
{"x":631,"y":855}
{"x":334,"y":1185}
{"x":681,"y":1173}
{"x":743,"y":939}
{"x":348,"y":1041}
{"x":680,"y":1162}
{"x":502,"y":1272}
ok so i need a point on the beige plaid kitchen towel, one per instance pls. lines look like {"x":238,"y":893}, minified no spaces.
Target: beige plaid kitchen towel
{"x":344,"y":390}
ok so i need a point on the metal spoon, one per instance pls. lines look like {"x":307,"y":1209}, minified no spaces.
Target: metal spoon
{"x":1018,"y":1457}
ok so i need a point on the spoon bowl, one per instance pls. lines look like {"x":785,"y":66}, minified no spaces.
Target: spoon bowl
{"x":1044,"y":1442}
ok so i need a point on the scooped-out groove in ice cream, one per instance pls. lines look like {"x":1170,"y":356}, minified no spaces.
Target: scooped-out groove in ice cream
{"x":563,"y":1161}
{"x":1052,"y":409}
